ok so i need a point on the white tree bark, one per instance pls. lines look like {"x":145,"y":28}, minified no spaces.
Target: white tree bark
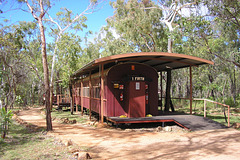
{"x":89,"y":10}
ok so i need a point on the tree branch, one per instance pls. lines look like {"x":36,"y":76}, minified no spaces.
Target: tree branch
{"x":146,"y":42}
{"x":220,"y":57}
{"x":234,"y":17}
{"x":91,"y":6}
{"x":31,"y":9}
{"x":42,"y":9}
{"x":154,"y":48}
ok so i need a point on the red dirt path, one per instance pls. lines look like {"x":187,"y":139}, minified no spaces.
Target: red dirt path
{"x":103,"y":143}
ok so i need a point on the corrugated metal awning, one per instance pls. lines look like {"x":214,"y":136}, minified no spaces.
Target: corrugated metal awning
{"x":161,"y":61}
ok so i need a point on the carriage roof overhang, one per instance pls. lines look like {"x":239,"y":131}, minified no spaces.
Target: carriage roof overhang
{"x":161,"y":61}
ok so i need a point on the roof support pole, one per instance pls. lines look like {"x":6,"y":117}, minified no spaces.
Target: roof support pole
{"x":102,"y":91}
{"x":71,"y":102}
{"x":190,"y":98}
{"x":161,"y":84}
{"x":82,"y":96}
{"x":73,"y":99}
{"x":90,"y":96}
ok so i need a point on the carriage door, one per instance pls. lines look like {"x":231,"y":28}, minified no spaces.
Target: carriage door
{"x":137,"y":99}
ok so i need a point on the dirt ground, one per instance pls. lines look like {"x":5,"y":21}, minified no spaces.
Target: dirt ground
{"x":104,"y":143}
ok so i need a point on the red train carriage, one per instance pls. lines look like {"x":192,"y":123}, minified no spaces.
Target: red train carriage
{"x":125,"y":85}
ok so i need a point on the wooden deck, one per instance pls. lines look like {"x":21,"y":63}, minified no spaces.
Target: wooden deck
{"x":189,"y":122}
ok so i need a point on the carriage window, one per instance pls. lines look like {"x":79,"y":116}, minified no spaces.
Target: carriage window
{"x":86,"y":92}
{"x":96,"y":92}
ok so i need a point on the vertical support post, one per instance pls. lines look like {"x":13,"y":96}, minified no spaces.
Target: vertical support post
{"x":161,"y":90}
{"x":61,"y":90}
{"x":205,"y":107}
{"x":90,"y":96}
{"x":102,"y":91}
{"x":71,"y":99}
{"x":58,"y":101}
{"x":74,"y":97}
{"x":82,"y":96}
{"x":228,"y":116}
{"x":71,"y":106}
{"x":190,"y":98}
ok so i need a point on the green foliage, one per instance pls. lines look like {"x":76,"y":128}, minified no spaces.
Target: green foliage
{"x":69,"y":59}
{"x":214,"y":38}
{"x":19,"y":100}
{"x":5,"y":120}
{"x":20,"y":61}
{"x":230,"y":101}
{"x":139,"y":29}
{"x":131,"y":29}
{"x":66,"y":18}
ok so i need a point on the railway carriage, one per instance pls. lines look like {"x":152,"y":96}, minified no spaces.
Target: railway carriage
{"x":126,"y":85}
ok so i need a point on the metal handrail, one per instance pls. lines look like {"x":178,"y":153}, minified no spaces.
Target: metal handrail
{"x":205,"y":106}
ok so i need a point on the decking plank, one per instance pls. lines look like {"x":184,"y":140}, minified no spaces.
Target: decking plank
{"x":190,"y":122}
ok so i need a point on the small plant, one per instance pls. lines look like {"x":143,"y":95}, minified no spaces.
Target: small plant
{"x":5,"y":120}
{"x":19,"y":100}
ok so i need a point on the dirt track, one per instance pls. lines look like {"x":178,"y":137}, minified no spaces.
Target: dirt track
{"x":106,"y":143}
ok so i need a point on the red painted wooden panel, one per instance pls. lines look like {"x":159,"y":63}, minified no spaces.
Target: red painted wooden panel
{"x":86,"y":102}
{"x":112,"y":104}
{"x":116,"y":74}
{"x":95,"y":105}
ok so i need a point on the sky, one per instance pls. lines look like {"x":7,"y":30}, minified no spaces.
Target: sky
{"x":95,"y":20}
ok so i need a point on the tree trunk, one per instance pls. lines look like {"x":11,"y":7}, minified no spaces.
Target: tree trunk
{"x":46,"y":76}
{"x":44,"y":60}
{"x":51,"y":97}
{"x":170,"y":43}
{"x":168,"y":101}
{"x":234,"y":86}
{"x":3,"y":136}
{"x":211,"y":80}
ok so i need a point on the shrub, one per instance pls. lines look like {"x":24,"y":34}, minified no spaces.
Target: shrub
{"x":229,"y":101}
{"x":5,"y":120}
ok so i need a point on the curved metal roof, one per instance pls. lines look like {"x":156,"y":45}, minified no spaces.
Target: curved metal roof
{"x":161,"y":61}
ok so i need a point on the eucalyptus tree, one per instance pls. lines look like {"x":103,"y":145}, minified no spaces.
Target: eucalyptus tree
{"x":10,"y":46}
{"x":38,"y":9}
{"x":216,"y":36}
{"x":108,"y":42}
{"x":32,"y":52}
{"x":69,"y":57}
{"x":91,"y":51}
{"x":227,"y":14}
{"x":172,"y":11}
{"x":138,"y":27}
{"x":66,"y":20}
{"x":15,"y":70}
